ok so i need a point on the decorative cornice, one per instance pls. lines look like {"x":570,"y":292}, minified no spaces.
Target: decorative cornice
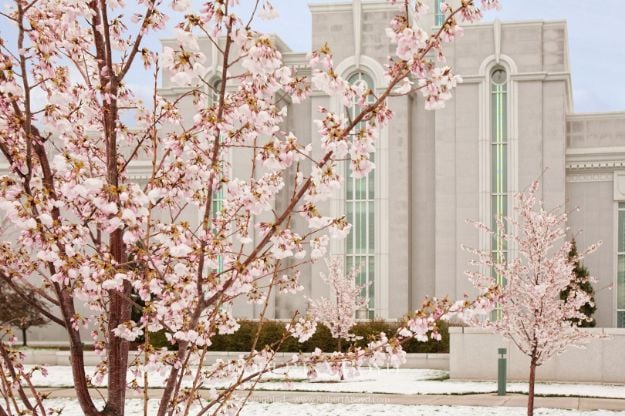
{"x":612,"y":115}
{"x":599,"y":159}
{"x":542,"y":76}
{"x":522,"y":77}
{"x":596,"y":165}
{"x":295,"y":60}
{"x":139,"y":169}
{"x":589,"y":177}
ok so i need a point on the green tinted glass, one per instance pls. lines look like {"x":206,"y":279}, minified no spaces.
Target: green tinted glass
{"x":621,"y":227}
{"x":360,"y":212}
{"x":371,"y":274}
{"x":498,"y":165}
{"x":620,"y":294}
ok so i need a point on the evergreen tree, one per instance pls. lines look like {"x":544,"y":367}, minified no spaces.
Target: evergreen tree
{"x":581,"y":282}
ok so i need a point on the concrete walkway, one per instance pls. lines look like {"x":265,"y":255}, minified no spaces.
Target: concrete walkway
{"x":488,"y":399}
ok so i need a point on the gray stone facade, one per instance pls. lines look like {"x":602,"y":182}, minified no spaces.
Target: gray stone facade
{"x":435,"y":168}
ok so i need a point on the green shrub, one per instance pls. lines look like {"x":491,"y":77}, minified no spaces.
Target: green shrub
{"x":159,"y":340}
{"x":272,"y":332}
{"x":322,"y":339}
{"x":430,"y":347}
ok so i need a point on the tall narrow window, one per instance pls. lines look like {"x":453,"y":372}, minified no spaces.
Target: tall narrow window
{"x":217,"y":201}
{"x":216,"y":207}
{"x":360,"y":212}
{"x":213,"y":94}
{"x":499,"y":162}
{"x":439,"y":16}
{"x":620,"y":274}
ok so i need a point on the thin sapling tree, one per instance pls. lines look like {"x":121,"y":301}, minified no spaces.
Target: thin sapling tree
{"x":533,"y":315}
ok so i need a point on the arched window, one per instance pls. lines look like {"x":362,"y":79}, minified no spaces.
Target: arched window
{"x":360,"y":212}
{"x":439,"y":16}
{"x":213,"y":93}
{"x":217,"y":201}
{"x":499,"y":159}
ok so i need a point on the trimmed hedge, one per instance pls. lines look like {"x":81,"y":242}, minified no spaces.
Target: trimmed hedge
{"x":272,"y":331}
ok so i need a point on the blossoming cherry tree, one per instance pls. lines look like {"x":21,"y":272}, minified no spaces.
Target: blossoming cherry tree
{"x":95,"y":243}
{"x":532,"y":313}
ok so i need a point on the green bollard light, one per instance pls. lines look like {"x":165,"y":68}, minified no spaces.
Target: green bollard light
{"x":501,"y":372}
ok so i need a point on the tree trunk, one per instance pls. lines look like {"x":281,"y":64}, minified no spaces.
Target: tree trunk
{"x":339,"y":345}
{"x":117,"y":354}
{"x":24,"y":343}
{"x":77,"y":362}
{"x":77,"y":357}
{"x":172,"y":378}
{"x":530,"y":399}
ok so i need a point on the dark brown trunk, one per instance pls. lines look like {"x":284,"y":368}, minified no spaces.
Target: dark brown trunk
{"x":24,"y":341}
{"x":172,"y":379}
{"x":530,"y":398}
{"x":77,"y":360}
{"x":77,"y":363}
{"x":119,"y":307}
{"x":170,"y":387}
{"x":119,"y":312}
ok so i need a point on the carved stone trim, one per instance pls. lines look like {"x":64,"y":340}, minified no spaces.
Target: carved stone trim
{"x":589,"y":177}
{"x":595,"y":164}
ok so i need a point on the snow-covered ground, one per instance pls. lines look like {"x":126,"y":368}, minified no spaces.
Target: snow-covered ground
{"x":398,"y":381}
{"x":135,"y":408}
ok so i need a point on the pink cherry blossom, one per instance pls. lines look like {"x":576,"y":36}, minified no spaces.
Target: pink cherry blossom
{"x":527,"y":287}
{"x":86,"y":232}
{"x":339,"y":313}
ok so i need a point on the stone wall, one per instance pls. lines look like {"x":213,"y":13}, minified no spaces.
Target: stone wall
{"x":473,"y":356}
{"x":57,"y":357}
{"x":595,"y":130}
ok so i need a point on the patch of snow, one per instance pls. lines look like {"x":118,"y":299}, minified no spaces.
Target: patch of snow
{"x":135,"y":408}
{"x":370,"y":380}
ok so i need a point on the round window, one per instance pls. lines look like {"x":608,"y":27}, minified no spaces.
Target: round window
{"x":499,"y":76}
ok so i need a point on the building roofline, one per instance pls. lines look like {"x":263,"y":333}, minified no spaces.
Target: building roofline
{"x":343,"y":6}
{"x":529,"y":22}
{"x":597,"y":115}
{"x":280,"y":44}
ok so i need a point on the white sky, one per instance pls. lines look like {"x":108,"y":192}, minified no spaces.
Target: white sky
{"x":596,"y":41}
{"x":595,"y":29}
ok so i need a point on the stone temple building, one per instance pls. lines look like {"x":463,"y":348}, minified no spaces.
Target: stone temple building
{"x":511,"y":121}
